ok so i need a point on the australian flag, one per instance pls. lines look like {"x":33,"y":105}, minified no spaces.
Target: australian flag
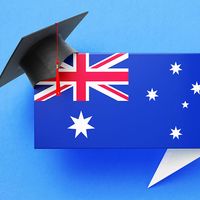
{"x":120,"y":100}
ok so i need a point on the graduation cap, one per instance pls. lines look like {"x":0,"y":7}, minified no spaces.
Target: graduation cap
{"x":36,"y":53}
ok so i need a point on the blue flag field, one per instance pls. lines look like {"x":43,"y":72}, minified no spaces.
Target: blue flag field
{"x":120,"y":101}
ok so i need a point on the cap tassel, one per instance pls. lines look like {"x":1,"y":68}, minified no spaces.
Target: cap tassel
{"x":57,"y":79}
{"x":57,"y":65}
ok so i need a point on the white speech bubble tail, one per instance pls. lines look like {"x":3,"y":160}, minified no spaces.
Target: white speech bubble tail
{"x":172,"y":161}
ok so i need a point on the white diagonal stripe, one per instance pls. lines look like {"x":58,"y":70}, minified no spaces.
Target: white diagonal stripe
{"x":111,"y":63}
{"x":108,"y":93}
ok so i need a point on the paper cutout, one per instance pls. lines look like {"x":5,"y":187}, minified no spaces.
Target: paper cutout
{"x":172,"y":161}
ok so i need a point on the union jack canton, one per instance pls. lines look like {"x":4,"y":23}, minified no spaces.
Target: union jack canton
{"x":81,"y":76}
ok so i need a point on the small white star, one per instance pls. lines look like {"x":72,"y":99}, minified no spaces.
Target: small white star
{"x":175,"y":68}
{"x":175,"y":133}
{"x":152,"y":94}
{"x":185,"y":104}
{"x":81,"y":125}
{"x":196,"y":88}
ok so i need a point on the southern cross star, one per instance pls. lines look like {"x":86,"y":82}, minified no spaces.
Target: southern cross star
{"x":175,"y":68}
{"x":185,"y":104}
{"x":152,"y":94}
{"x":196,"y":88}
{"x":81,"y":125}
{"x":176,"y":133}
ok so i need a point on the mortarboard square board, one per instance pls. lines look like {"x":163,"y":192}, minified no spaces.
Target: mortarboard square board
{"x":35,"y":53}
{"x":116,"y":100}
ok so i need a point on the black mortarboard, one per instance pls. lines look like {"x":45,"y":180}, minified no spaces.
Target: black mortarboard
{"x":35,"y":54}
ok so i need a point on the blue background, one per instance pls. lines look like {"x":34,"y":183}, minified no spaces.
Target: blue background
{"x":111,"y":26}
